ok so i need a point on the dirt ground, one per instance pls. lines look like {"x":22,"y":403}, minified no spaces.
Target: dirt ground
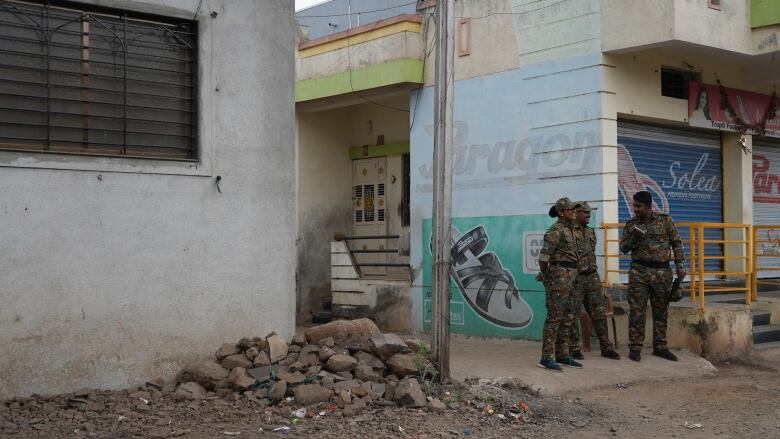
{"x":741,"y":400}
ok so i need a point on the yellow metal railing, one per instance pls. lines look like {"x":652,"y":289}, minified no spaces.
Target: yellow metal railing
{"x":764,"y":247}
{"x":696,"y":258}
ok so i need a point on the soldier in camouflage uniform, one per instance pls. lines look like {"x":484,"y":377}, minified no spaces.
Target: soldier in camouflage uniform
{"x":648,"y":237}
{"x":558,"y":271}
{"x":590,"y":291}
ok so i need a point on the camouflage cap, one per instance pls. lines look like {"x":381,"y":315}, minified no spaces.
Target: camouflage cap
{"x":583,"y":205}
{"x":563,"y":204}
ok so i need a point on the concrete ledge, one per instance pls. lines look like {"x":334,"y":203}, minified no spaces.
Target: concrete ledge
{"x":722,"y":331}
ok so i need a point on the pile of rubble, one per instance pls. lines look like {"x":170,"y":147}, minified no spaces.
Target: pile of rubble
{"x":349,"y":364}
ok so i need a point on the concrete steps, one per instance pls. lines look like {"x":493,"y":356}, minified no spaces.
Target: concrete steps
{"x":761,"y":318}
{"x":765,"y":334}
{"x":767,"y":346}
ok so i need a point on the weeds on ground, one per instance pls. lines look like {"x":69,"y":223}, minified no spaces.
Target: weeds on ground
{"x":429,"y":375}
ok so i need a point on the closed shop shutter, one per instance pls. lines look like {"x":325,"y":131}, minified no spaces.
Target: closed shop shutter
{"x":682,"y":169}
{"x":766,"y":201}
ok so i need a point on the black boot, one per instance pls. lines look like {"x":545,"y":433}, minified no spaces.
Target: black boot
{"x":610,"y":353}
{"x":635,"y":355}
{"x":664,"y":353}
{"x":577,"y":355}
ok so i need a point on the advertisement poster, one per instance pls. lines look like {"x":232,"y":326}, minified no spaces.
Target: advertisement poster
{"x":493,"y":291}
{"x":704,"y":109}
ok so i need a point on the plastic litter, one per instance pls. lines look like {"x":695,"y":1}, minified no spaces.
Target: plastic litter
{"x":300,"y":413}
{"x":231,"y":433}
{"x":283,"y":429}
{"x":687,"y":425}
{"x":622,"y":386}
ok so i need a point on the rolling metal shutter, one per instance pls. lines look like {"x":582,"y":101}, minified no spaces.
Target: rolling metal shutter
{"x":766,"y":199}
{"x":682,"y":169}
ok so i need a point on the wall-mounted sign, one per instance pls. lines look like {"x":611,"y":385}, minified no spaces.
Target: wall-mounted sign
{"x":704,"y":109}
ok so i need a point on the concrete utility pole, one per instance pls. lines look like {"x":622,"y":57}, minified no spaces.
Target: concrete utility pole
{"x":442,"y":186}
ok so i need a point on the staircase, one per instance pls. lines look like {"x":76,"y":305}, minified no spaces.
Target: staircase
{"x":765,"y":334}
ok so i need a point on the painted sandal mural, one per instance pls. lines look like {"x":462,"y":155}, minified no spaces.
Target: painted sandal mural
{"x":487,"y":286}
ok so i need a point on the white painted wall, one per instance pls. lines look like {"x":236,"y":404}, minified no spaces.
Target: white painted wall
{"x":117,"y":271}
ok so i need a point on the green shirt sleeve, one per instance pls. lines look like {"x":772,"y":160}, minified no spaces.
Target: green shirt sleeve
{"x":551,"y":240}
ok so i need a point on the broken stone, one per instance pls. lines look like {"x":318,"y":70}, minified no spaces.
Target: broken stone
{"x":437,"y":406}
{"x":262,"y":359}
{"x":190,"y":391}
{"x":252,"y":353}
{"x":359,"y":391}
{"x":344,"y":398}
{"x":345,"y":385}
{"x":341,"y":363}
{"x":222,"y":384}
{"x":325,"y":353}
{"x":82,"y":392}
{"x":239,"y":379}
{"x":294,"y":348}
{"x":233,"y":361}
{"x":244,"y":344}
{"x":354,"y":409}
{"x":309,"y":349}
{"x":309,"y":359}
{"x":260,"y":344}
{"x":313,"y":370}
{"x":366,"y":373}
{"x":292,"y":378}
{"x":390,"y":390}
{"x":403,"y":365}
{"x":409,"y":394}
{"x":347,"y":375}
{"x":309,"y":394}
{"x":226,"y":350}
{"x":327,"y":342}
{"x":262,"y":373}
{"x":417,"y":345}
{"x":358,"y":345}
{"x":375,"y":390}
{"x":369,"y":360}
{"x":342,"y":330}
{"x":299,"y":339}
{"x":297,"y":366}
{"x":277,"y":391}
{"x":387,"y":345}
{"x":224,"y":392}
{"x":206,"y":373}
{"x":292,"y":358}
{"x":277,"y":348}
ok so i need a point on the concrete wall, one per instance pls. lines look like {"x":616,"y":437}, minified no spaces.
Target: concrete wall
{"x":490,"y":34}
{"x":116,"y":271}
{"x":632,"y":24}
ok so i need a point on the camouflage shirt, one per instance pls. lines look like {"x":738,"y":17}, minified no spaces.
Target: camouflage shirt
{"x":560,"y":245}
{"x":653,"y":246}
{"x":586,"y":245}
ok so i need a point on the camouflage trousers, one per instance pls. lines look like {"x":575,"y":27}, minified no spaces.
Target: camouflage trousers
{"x":648,"y":283}
{"x":559,"y":285}
{"x":590,"y":292}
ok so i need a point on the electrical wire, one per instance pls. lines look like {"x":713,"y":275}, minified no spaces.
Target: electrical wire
{"x":356,"y":13}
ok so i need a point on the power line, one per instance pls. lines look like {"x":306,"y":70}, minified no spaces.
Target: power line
{"x":356,"y":13}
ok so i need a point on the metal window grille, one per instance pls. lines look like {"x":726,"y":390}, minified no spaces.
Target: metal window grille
{"x":96,"y":82}
{"x":406,"y":220}
{"x":674,"y":83}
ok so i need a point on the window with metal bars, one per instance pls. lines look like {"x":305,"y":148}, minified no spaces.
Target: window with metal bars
{"x":106,"y":82}
{"x":674,"y":83}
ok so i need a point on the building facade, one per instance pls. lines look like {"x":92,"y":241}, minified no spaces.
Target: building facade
{"x":147,"y":155}
{"x":590,"y":99}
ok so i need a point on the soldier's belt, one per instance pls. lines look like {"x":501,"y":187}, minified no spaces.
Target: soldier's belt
{"x":564,"y":264}
{"x":585,"y":273}
{"x":651,"y":264}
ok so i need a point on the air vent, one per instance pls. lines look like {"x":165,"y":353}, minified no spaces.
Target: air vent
{"x":381,"y":190}
{"x":380,"y":215}
{"x":358,"y":192}
{"x":358,"y":216}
